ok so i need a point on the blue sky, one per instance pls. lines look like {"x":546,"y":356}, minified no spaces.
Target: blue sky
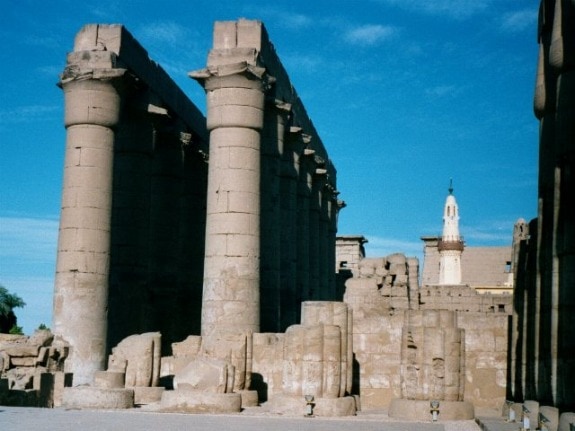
{"x":405,"y":94}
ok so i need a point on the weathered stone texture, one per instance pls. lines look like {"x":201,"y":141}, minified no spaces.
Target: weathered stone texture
{"x":138,"y":357}
{"x":31,"y":369}
{"x":432,"y":356}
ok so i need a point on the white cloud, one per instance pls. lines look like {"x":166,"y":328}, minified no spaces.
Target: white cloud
{"x":519,"y":20}
{"x":27,"y":240}
{"x":459,"y":9}
{"x":370,"y":34}
{"x":489,"y":232}
{"x":442,"y":90}
{"x":27,"y":113}
{"x":281,"y":18}
{"x":106,"y":11}
{"x":295,"y":21}
{"x":303,"y":63}
{"x":163,"y":32}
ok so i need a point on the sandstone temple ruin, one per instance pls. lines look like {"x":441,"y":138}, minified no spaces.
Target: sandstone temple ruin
{"x":200,"y":268}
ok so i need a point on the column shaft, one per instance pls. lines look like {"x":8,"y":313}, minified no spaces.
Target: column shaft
{"x":83,"y":261}
{"x":231,"y":295}
{"x":270,"y":223}
{"x":130,"y":226}
{"x":291,"y":296}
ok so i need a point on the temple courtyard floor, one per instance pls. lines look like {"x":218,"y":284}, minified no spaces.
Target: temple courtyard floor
{"x":61,"y":419}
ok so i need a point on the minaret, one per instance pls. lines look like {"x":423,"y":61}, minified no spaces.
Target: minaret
{"x":450,"y":245}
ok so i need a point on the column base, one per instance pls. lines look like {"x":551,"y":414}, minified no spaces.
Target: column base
{"x":89,"y":397}
{"x":194,"y":401}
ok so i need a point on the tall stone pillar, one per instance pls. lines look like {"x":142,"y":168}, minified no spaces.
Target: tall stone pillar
{"x":555,"y":108}
{"x":325,"y":266}
{"x":192,"y":234}
{"x":231,"y":294}
{"x":332,"y":210}
{"x":272,"y":148}
{"x":166,"y":181}
{"x":130,"y":225}
{"x":315,"y":184}
{"x":92,"y":111}
{"x":291,"y":294}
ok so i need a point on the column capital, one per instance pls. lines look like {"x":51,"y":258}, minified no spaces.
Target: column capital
{"x":240,"y":74}
{"x":82,"y":65}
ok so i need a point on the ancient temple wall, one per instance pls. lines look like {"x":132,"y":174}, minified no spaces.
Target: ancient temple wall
{"x":463,"y":298}
{"x":380,"y":295}
{"x":127,"y":126}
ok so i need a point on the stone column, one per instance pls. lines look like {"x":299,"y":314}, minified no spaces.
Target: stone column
{"x":92,"y":111}
{"x":303,"y":203}
{"x":315,"y":184}
{"x":231,"y":295}
{"x":163,"y":303}
{"x":555,"y":108}
{"x":323,"y":260}
{"x":192,"y":234}
{"x":130,"y":225}
{"x":340,"y":315}
{"x":291,"y":295}
{"x":332,"y":210}
{"x":303,"y":221}
{"x":270,"y":223}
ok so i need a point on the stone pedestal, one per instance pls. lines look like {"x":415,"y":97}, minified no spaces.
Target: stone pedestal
{"x":87,"y":397}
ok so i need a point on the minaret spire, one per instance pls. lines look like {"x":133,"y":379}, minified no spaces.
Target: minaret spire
{"x":450,"y":245}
